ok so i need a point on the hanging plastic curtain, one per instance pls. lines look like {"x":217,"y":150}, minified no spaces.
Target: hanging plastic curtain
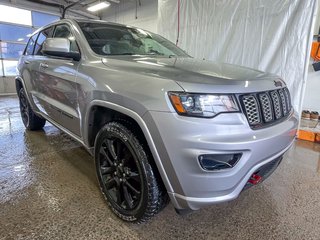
{"x":269,"y":35}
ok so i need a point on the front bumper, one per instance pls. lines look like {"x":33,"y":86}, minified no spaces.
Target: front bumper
{"x":180,"y":140}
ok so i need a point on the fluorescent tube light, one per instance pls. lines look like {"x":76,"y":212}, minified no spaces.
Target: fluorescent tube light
{"x":98,"y":6}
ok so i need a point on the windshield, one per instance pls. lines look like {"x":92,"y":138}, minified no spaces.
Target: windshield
{"x":107,"y":39}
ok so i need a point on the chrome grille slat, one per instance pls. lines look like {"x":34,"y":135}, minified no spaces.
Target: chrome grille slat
{"x":283,"y":101}
{"x":288,"y":99}
{"x":251,"y":108}
{"x":265,"y":102}
{"x":276,"y":103}
{"x":264,"y":108}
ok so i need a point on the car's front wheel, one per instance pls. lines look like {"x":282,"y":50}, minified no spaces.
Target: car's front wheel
{"x":125,"y":174}
{"x":30,"y":120}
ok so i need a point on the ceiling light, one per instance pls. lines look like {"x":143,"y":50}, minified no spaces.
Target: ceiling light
{"x":98,"y":6}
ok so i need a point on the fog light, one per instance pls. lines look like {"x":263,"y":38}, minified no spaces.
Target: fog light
{"x":213,"y":162}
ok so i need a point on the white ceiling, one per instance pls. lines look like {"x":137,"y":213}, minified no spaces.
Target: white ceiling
{"x":56,"y":6}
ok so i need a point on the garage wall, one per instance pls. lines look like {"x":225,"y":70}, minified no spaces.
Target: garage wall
{"x":273,"y":36}
{"x":312,"y":96}
{"x":126,"y":12}
{"x":317,"y":21}
{"x":7,"y":84}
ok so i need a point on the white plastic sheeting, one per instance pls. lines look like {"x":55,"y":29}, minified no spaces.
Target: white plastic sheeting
{"x":269,"y":35}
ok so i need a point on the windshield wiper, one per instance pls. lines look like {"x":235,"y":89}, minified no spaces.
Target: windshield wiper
{"x":155,"y":52}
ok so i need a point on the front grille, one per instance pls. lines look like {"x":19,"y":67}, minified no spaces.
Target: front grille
{"x":265,"y":108}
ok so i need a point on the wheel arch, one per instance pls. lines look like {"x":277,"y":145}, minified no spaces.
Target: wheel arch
{"x":100,"y":112}
{"x":19,"y":84}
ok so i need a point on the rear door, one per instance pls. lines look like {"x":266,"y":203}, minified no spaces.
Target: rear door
{"x":56,"y":82}
{"x":26,"y":67}
{"x":40,"y":84}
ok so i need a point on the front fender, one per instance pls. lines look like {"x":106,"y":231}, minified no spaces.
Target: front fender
{"x":143,"y":126}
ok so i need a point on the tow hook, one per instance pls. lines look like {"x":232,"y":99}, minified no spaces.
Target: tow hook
{"x":255,"y":179}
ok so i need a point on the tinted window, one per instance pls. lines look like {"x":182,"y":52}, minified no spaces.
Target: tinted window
{"x":30,"y":46}
{"x":107,"y":39}
{"x":43,"y":35}
{"x":63,"y":31}
{"x":10,"y":32}
{"x":41,"y":19}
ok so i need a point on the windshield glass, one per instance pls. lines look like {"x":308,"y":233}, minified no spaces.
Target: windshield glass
{"x":107,"y":39}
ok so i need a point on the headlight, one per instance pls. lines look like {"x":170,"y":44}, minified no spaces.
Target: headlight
{"x":202,"y":105}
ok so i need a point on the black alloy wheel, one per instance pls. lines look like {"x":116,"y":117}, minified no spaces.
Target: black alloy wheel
{"x":119,"y":172}
{"x":24,"y":107}
{"x":30,"y":120}
{"x":131,"y":186}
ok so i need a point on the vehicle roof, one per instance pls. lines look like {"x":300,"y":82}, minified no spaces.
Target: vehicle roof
{"x":101,"y":21}
{"x":80,"y":20}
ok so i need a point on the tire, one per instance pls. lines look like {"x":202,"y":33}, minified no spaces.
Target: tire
{"x":30,"y":120}
{"x":125,"y":175}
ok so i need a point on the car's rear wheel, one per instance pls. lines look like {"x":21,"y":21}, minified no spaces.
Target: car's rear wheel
{"x":30,"y":120}
{"x":125,"y":175}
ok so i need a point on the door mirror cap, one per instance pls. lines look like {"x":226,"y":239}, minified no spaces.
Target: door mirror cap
{"x":59,"y":47}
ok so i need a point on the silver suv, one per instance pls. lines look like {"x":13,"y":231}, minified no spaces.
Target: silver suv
{"x":160,"y":124}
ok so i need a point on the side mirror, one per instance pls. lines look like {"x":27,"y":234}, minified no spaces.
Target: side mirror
{"x":59,"y":47}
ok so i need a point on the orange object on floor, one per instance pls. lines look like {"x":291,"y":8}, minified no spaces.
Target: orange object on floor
{"x":306,"y":135}
{"x":315,"y":53}
{"x":317,"y":137}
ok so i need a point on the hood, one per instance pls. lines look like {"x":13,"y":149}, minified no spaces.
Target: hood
{"x":198,"y":75}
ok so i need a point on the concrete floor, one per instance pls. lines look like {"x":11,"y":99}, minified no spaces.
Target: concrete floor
{"x":48,"y":190}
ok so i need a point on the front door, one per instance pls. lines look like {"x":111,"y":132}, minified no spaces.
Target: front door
{"x":56,"y":87}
